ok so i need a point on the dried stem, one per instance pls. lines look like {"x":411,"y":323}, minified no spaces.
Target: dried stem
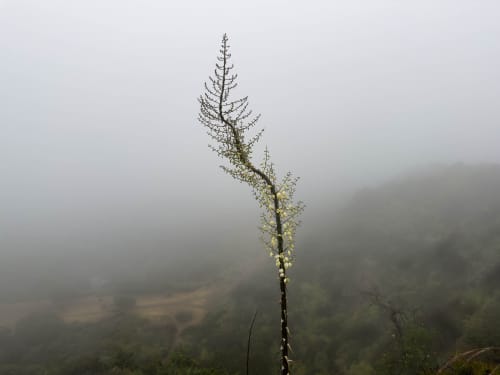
{"x":227,"y":122}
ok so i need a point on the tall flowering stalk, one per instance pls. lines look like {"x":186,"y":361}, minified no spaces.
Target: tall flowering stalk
{"x":229,"y":122}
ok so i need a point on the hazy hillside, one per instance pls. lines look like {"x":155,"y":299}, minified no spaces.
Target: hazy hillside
{"x":424,"y":246}
{"x":427,"y":244}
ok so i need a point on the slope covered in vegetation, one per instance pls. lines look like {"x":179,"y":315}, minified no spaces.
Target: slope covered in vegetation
{"x":403,"y":277}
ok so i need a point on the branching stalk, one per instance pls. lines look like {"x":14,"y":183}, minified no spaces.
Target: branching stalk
{"x":227,"y":123}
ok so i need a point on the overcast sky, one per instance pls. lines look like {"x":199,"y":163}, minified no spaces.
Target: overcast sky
{"x":98,"y":106}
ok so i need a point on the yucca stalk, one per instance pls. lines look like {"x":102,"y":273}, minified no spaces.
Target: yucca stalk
{"x":228,"y":122}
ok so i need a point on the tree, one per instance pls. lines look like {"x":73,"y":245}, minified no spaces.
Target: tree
{"x":412,"y":353}
{"x":228,"y":122}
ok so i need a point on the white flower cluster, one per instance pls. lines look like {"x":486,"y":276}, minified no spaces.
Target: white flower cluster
{"x":279,"y":221}
{"x":227,"y":122}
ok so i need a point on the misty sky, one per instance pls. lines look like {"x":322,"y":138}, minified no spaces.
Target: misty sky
{"x":100,"y":144}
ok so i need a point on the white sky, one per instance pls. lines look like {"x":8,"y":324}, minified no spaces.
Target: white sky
{"x":98,"y":106}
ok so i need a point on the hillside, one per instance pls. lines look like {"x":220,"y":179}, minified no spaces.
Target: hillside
{"x":399,"y":279}
{"x":426,"y":245}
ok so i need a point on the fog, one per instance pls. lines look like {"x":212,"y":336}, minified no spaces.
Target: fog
{"x":122,"y":241}
{"x":100,"y":148}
